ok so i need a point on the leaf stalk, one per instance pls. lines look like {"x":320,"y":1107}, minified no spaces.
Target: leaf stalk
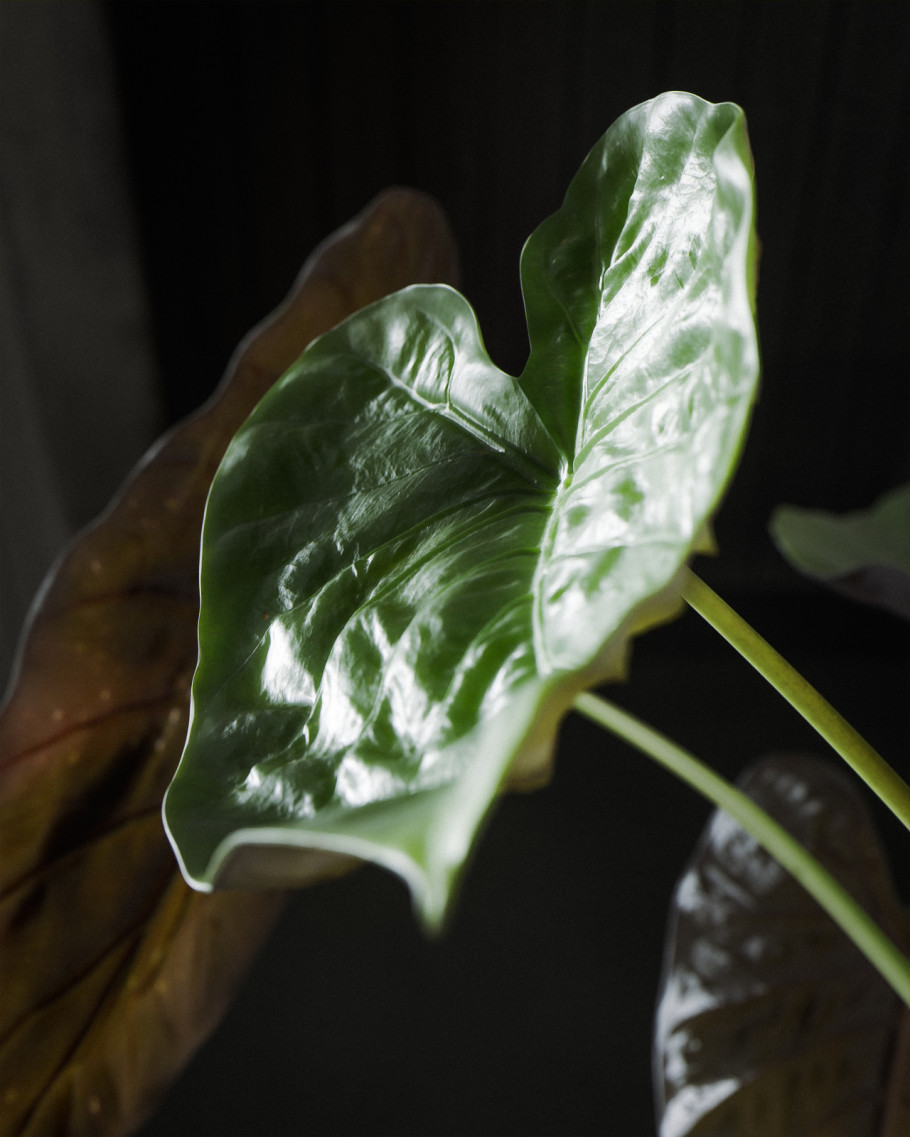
{"x":856,"y":923}
{"x":878,"y":775}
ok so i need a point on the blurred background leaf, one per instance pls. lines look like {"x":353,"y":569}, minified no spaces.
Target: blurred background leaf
{"x":770,"y":1022}
{"x":113,"y":971}
{"x":865,"y":553}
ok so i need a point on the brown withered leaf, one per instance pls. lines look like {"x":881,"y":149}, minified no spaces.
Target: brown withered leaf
{"x":112,"y":971}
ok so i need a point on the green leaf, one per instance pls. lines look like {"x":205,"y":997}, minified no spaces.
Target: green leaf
{"x":865,"y":554}
{"x":412,"y":562}
{"x":770,"y":1022}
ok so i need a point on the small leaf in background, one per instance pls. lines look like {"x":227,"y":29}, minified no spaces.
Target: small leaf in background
{"x":865,"y":554}
{"x":412,"y":561}
{"x":770,"y":1022}
{"x":112,"y":970}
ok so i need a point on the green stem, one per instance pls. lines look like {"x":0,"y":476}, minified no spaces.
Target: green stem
{"x":842,"y":908}
{"x":851,"y":746}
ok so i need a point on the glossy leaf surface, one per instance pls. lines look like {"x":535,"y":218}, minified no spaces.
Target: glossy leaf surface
{"x":865,"y":554}
{"x":112,"y":970}
{"x":770,"y":1021}
{"x":412,"y":561}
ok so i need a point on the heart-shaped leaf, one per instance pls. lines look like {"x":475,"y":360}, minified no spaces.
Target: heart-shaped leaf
{"x":770,"y":1021}
{"x":412,"y":561}
{"x":864,"y":554}
{"x":112,"y":970}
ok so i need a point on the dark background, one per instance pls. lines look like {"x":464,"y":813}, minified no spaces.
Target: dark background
{"x":254,"y":130}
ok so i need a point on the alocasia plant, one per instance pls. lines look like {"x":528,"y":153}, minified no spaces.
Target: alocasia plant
{"x":412,"y":562}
